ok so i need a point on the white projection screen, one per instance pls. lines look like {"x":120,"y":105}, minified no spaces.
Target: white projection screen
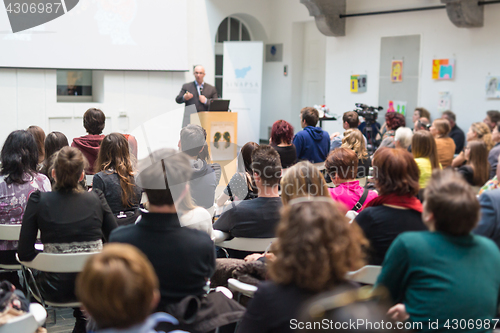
{"x":94,"y":34}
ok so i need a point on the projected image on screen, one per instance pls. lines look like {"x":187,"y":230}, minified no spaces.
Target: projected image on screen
{"x":94,"y":34}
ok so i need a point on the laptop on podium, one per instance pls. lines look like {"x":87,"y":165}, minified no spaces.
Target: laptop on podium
{"x":219,"y":105}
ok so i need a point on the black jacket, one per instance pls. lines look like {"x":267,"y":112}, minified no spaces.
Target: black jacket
{"x":209,"y":92}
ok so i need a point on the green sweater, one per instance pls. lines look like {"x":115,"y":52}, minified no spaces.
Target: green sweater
{"x":443,"y":277}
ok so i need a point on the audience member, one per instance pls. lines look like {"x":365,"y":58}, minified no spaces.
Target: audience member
{"x":312,"y":143}
{"x":205,"y":177}
{"x":53,"y":142}
{"x":194,"y":217}
{"x":444,"y":144}
{"x":94,"y":121}
{"x":18,"y":180}
{"x":115,"y":178}
{"x":303,"y":180}
{"x":396,"y":209}
{"x":342,"y":165}
{"x":350,"y":120}
{"x":393,"y":121}
{"x":492,"y":118}
{"x":183,"y":258}
{"x":458,"y":268}
{"x":315,"y":249}
{"x":424,"y":151}
{"x":476,"y":170}
{"x":477,"y":132}
{"x":494,"y":152}
{"x":421,"y":113}
{"x":241,"y":186}
{"x":70,"y":220}
{"x":402,"y":138}
{"x":354,"y":140}
{"x":422,"y":124}
{"x":39,"y":136}
{"x":256,"y":218}
{"x":281,"y":140}
{"x":456,"y":133}
{"x":119,"y":289}
{"x":371,"y":132}
{"x":489,"y":223}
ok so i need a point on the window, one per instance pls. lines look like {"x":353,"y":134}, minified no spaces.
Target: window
{"x":74,"y":86}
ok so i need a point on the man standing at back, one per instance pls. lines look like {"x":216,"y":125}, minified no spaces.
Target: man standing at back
{"x":312,"y":143}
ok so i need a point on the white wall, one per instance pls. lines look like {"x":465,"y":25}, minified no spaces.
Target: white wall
{"x":475,"y":51}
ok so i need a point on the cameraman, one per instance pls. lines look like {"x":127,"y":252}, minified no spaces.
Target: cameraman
{"x":350,"y":120}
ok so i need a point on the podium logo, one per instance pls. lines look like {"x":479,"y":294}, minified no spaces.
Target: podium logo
{"x":26,"y":14}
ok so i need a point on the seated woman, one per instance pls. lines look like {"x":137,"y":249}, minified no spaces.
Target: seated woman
{"x":396,"y":209}
{"x":39,"y":136}
{"x":53,"y":143}
{"x":315,"y":249}
{"x":424,"y":151}
{"x":402,"y":138}
{"x":353,"y":139}
{"x":477,"y":132}
{"x":433,"y":274}
{"x":115,"y":178}
{"x":241,"y":186}
{"x":393,"y":121}
{"x":18,"y":180}
{"x":341,"y":164}
{"x":281,"y":140}
{"x":70,"y":220}
{"x":444,"y":144}
{"x":476,"y":170}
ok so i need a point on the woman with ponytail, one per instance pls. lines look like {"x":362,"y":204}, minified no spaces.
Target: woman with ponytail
{"x":477,"y":132}
{"x":115,"y":178}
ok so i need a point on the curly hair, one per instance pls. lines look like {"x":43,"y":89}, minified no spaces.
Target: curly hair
{"x":483,"y":133}
{"x":353,"y":139}
{"x":282,"y":132}
{"x":394,"y":120}
{"x":316,"y":246}
{"x":302,"y":180}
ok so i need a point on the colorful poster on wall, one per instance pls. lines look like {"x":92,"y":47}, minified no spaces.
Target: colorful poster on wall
{"x":397,"y":106}
{"x":358,"y":83}
{"x":397,"y":71}
{"x":443,"y":69}
{"x":493,"y":87}
{"x":444,"y":102}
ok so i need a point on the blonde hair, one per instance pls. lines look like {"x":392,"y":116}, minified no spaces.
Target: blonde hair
{"x":353,"y":139}
{"x":442,"y":126}
{"x":302,"y":180}
{"x":483,"y":133}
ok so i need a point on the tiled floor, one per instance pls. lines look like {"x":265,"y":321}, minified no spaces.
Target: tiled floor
{"x":64,"y":321}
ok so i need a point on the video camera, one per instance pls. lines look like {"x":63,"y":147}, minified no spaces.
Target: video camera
{"x":369,"y":113}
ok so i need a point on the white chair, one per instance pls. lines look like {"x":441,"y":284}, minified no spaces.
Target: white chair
{"x":26,"y":323}
{"x":54,"y":263}
{"x":89,"y":179}
{"x":10,"y":232}
{"x":241,"y":287}
{"x":246,"y":244}
{"x":367,"y":274}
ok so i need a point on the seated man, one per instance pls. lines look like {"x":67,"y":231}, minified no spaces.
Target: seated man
{"x":312,"y":143}
{"x":183,"y":258}
{"x":256,"y":218}
{"x":205,"y":177}
{"x":94,"y":121}
{"x":350,"y":120}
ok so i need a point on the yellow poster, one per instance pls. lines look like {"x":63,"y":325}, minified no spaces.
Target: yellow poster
{"x":397,"y":71}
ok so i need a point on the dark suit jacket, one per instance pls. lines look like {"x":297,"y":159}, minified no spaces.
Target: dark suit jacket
{"x":489,"y":225}
{"x":208,"y":91}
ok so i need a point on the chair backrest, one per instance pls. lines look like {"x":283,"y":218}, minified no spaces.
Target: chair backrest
{"x":10,"y":232}
{"x":248,"y":244}
{"x":25,"y":323}
{"x":89,"y":179}
{"x":244,"y":288}
{"x":367,"y":274}
{"x":58,"y":263}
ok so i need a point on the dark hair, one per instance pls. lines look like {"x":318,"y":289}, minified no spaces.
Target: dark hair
{"x":451,"y":115}
{"x":282,"y":132}
{"x":478,"y":160}
{"x":192,"y":140}
{"x":94,"y":121}
{"x":53,"y":143}
{"x":342,"y":162}
{"x":68,"y":164}
{"x":39,"y":136}
{"x":19,"y":156}
{"x":423,"y":144}
{"x":423,"y":112}
{"x":394,"y":120}
{"x":266,"y":164}
{"x":164,"y":175}
{"x":114,"y":154}
{"x":494,"y":115}
{"x":246,"y":156}
{"x":452,"y":202}
{"x":351,"y":118}
{"x":396,"y":172}
{"x":310,"y":115}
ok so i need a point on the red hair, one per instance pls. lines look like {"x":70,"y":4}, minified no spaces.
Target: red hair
{"x":282,"y":131}
{"x":395,"y":120}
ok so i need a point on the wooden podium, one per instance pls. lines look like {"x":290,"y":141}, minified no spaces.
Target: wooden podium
{"x":222,"y":133}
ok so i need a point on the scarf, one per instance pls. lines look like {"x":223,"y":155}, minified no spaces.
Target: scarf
{"x":396,"y":200}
